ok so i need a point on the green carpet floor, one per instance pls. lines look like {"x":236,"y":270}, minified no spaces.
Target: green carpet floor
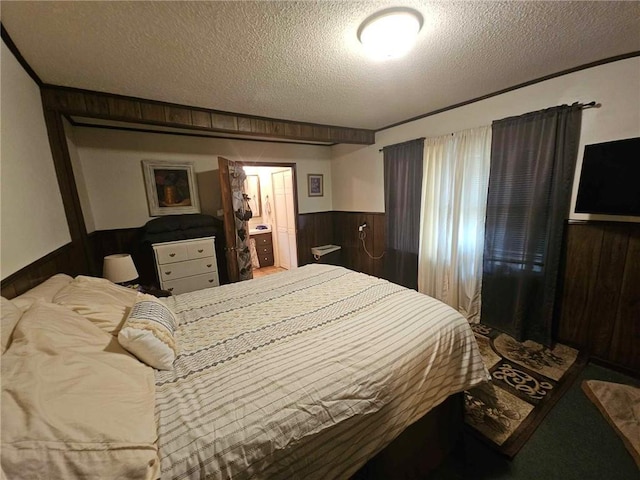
{"x":574,"y":442}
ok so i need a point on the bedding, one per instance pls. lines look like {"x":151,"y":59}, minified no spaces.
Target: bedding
{"x":45,"y":291}
{"x":74,"y":403}
{"x":98,"y":300}
{"x":10,"y":316}
{"x":304,"y":374}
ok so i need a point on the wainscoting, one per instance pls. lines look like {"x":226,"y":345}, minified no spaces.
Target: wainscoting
{"x":123,"y":240}
{"x":345,"y":228}
{"x":66,"y":259}
{"x":313,"y":229}
{"x":341,"y":228}
{"x":600,"y":306}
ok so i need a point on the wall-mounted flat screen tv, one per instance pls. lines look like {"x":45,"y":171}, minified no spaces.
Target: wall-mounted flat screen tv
{"x":610,"y":178}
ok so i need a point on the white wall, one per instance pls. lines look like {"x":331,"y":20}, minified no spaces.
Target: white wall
{"x":112,"y":179}
{"x":32,"y":217}
{"x":358,"y":183}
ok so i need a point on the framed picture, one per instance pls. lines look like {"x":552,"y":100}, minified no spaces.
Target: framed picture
{"x":171,"y":187}
{"x":314,"y":183}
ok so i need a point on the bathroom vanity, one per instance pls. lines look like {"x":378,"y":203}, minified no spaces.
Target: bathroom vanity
{"x":264,"y":246}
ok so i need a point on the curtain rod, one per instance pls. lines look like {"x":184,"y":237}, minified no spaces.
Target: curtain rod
{"x":584,"y":106}
{"x":591,"y":104}
{"x":402,"y":143}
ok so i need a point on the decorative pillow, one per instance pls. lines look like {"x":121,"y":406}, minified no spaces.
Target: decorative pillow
{"x":10,"y":316}
{"x":46,"y":291}
{"x":97,"y":299}
{"x":148,"y":332}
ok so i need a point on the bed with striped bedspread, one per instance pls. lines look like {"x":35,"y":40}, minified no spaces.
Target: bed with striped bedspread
{"x":304,"y":374}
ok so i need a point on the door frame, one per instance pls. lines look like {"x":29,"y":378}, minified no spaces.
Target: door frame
{"x":294,"y":179}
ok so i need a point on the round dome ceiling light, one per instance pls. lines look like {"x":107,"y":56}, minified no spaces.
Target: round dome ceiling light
{"x":390,"y":33}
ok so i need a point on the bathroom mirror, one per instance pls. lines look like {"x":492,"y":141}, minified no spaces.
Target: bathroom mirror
{"x":252,"y":189}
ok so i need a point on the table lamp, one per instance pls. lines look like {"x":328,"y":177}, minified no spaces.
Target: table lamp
{"x":119,"y":268}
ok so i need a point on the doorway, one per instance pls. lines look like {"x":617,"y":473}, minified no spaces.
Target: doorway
{"x":272,"y":196}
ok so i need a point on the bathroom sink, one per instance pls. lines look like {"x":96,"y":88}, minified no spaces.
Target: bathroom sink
{"x":257,"y":231}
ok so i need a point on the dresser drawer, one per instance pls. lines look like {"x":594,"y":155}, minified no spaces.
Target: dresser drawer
{"x":268,"y":250}
{"x":266,"y":260}
{"x":200,"y":249}
{"x":175,"y":252}
{"x":189,"y":284}
{"x":262,"y":239}
{"x":187,"y":268}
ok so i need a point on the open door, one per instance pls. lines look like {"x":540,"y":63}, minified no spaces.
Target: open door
{"x":236,"y":216}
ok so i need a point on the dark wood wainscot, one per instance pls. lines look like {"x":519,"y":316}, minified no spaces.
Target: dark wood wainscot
{"x":600,"y":308}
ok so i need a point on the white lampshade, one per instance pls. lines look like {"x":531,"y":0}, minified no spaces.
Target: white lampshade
{"x":390,"y":33}
{"x":119,"y":268}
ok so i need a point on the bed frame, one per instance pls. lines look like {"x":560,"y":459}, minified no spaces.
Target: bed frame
{"x":412,"y":455}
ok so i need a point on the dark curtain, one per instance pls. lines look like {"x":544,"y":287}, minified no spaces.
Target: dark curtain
{"x":402,"y":198}
{"x":533,"y":160}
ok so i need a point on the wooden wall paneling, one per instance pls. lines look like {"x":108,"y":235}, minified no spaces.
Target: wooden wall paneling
{"x":314,"y":229}
{"x":61,"y":260}
{"x":68,"y":190}
{"x":152,"y":112}
{"x":124,"y":109}
{"x":201,"y":118}
{"x":625,"y":341}
{"x":224,"y":122}
{"x":179,"y":116}
{"x":96,"y":105}
{"x":379,"y":243}
{"x":606,"y":295}
{"x":346,"y":234}
{"x":341,"y":227}
{"x":124,"y":240}
{"x":366,"y":263}
{"x":73,"y":101}
{"x":304,"y":231}
{"x":579,"y":281}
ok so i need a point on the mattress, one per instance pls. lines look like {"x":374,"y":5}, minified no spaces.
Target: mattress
{"x":304,"y":374}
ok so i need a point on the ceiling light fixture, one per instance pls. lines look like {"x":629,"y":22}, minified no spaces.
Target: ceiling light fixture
{"x":390,"y":33}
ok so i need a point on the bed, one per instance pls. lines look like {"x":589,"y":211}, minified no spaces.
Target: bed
{"x":305,"y":374}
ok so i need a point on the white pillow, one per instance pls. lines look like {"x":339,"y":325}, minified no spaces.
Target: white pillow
{"x":97,"y":299}
{"x":148,"y":332}
{"x":45,"y":291}
{"x":10,"y":316}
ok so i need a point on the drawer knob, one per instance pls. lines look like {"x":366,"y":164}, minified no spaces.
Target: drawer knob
{"x":167,"y":272}
{"x":172,"y":254}
{"x":209,"y":265}
{"x":200,"y":250}
{"x":170,"y":289}
{"x":211,"y":280}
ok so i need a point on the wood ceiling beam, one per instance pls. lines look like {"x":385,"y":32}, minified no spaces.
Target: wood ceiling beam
{"x":87,"y":103}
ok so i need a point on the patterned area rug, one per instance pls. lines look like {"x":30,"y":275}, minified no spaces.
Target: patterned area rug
{"x":527,"y":380}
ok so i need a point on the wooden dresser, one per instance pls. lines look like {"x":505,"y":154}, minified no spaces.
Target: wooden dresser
{"x":264,"y":248}
{"x":186,"y":265}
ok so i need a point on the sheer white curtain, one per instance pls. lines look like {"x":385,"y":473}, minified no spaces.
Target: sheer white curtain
{"x":454,"y":199}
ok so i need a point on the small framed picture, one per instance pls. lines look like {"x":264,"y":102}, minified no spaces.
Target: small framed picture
{"x":314,"y":183}
{"x":171,"y":187}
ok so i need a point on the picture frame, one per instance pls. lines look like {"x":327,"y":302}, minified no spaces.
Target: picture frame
{"x":315,"y":185}
{"x":171,"y":187}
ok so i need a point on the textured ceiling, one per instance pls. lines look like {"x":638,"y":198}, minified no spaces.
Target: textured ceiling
{"x":302,"y":60}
